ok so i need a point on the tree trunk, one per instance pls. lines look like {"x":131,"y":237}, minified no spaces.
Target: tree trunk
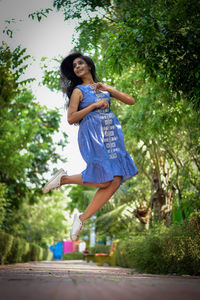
{"x":143,"y":214}
{"x":161,"y":199}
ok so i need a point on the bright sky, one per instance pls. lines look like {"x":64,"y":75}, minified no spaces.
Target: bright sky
{"x":49,"y":38}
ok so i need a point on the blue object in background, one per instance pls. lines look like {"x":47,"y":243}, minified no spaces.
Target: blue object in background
{"x":57,"y":250}
{"x":101,"y":242}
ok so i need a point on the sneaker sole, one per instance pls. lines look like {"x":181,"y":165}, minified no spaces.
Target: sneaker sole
{"x":74,"y":237}
{"x":57,"y":173}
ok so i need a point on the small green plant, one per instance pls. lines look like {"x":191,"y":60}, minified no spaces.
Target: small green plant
{"x":73,"y":256}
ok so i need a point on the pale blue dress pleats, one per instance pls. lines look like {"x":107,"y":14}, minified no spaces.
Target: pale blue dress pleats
{"x":101,"y":141}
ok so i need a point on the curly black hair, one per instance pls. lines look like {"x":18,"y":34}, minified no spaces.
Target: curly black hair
{"x":68,"y":78}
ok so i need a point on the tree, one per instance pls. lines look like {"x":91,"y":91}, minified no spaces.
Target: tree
{"x":26,"y":134}
{"x":163,"y":36}
{"x":159,"y":138}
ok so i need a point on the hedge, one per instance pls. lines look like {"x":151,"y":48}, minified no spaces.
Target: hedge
{"x":164,"y":250}
{"x":16,"y":250}
{"x":73,"y":256}
{"x":6,"y":241}
{"x":99,"y":248}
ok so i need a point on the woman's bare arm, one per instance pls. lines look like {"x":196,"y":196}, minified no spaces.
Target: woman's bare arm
{"x":123,"y":97}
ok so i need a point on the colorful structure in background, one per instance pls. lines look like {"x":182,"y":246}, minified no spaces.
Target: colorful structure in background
{"x":63,"y":247}
{"x":67,"y":247}
{"x":57,"y":250}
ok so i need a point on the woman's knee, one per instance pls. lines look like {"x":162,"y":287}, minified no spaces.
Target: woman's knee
{"x":104,"y":185}
{"x":116,"y":182}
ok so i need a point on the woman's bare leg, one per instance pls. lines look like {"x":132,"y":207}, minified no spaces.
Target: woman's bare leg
{"x":100,"y":198}
{"x":77,"y":179}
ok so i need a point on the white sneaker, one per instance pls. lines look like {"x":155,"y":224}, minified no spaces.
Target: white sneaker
{"x":54,"y":182}
{"x":76,"y":227}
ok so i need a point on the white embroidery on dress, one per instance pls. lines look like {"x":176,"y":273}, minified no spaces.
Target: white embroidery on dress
{"x":109,"y":134}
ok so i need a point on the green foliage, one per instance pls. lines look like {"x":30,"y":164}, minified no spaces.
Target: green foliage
{"x":4,"y":204}
{"x":80,"y":196}
{"x":164,"y":250}
{"x":27,"y":129}
{"x":36,"y":252}
{"x":13,"y":65}
{"x":6,"y":241}
{"x":51,"y":75}
{"x":43,"y":222}
{"x":162,"y":36}
{"x":16,"y":250}
{"x":26,"y":137}
{"x":17,"y":253}
{"x":73,"y":256}
{"x":162,"y":137}
{"x":73,"y":9}
{"x":40,"y":14}
{"x":47,"y":254}
{"x":99,"y":248}
{"x":114,"y":218}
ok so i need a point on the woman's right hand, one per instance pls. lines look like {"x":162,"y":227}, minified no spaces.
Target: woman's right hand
{"x":102,"y":104}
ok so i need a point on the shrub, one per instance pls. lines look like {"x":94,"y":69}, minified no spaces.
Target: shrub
{"x":6,"y":241}
{"x":163,"y":250}
{"x":26,"y":253}
{"x":36,"y":252}
{"x":73,"y":256}
{"x":99,"y":248}
{"x":16,"y":250}
{"x":47,"y":254}
{"x":3,"y":203}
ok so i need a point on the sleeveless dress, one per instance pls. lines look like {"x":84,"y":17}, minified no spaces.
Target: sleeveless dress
{"x":101,"y":141}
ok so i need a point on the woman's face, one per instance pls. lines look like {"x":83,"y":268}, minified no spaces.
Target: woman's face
{"x":80,"y":67}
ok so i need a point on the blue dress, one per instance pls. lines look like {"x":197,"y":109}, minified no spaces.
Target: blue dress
{"x":101,"y":141}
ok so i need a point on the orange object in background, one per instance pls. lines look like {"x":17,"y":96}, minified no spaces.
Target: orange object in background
{"x":76,"y":246}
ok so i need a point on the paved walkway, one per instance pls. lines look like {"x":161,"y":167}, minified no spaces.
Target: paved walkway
{"x":77,"y":280}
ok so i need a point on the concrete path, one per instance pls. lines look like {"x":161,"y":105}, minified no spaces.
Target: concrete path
{"x":77,"y":280}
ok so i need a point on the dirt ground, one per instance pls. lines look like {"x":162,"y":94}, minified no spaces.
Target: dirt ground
{"x":74,"y":280}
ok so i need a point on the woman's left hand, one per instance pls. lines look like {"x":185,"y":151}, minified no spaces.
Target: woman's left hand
{"x":125,"y":98}
{"x":100,"y":86}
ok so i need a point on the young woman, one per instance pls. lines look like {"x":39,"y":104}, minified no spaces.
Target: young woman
{"x":100,"y":135}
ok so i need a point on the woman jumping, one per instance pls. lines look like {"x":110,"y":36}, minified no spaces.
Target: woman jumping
{"x":100,"y":135}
